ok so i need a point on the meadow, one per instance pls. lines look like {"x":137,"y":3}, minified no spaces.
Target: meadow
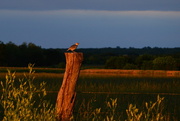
{"x":95,"y":88}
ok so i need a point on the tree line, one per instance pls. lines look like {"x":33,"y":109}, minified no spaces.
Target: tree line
{"x":22,"y":55}
{"x":112,"y":58}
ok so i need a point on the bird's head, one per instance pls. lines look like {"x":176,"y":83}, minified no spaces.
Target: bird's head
{"x":76,"y":43}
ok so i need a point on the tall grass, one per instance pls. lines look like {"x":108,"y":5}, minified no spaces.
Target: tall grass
{"x":94,"y":82}
{"x":26,"y":98}
{"x":152,"y":111}
{"x":128,"y":85}
{"x":23,"y":101}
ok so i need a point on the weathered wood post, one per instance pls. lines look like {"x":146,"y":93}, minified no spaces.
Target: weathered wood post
{"x":66,"y":95}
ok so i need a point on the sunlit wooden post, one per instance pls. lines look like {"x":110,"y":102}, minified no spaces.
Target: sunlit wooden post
{"x":66,"y":95}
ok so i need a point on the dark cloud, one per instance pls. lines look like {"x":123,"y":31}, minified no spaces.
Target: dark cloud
{"x":163,"y":5}
{"x":59,"y":29}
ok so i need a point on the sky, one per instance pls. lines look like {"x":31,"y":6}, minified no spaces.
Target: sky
{"x":92,"y":23}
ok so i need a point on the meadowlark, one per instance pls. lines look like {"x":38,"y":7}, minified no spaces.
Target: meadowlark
{"x":73,"y":47}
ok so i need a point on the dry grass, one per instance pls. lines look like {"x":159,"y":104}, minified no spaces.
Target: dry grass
{"x":105,"y":80}
{"x":155,"y":73}
{"x":147,"y":73}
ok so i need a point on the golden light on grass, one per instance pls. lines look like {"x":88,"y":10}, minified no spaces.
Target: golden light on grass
{"x":142,"y":73}
{"x":112,"y":82}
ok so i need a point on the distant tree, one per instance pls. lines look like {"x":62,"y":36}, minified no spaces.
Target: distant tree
{"x":130,"y":66}
{"x":35,"y":54}
{"x":164,"y":63}
{"x":2,"y":54}
{"x":147,"y":65}
{"x":116,"y":62}
{"x":96,"y":59}
{"x":52,"y":57}
{"x":118,"y":58}
{"x":23,"y":54}
{"x":92,"y":59}
{"x":176,"y":56}
{"x":118,"y":47}
{"x":11,"y":54}
{"x":23,"y":46}
{"x":178,"y":63}
{"x":144,"y":61}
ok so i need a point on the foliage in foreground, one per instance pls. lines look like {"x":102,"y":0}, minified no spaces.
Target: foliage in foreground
{"x":22,"y":100}
{"x":153,"y":111}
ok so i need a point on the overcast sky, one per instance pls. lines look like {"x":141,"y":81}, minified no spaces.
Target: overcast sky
{"x":92,"y":23}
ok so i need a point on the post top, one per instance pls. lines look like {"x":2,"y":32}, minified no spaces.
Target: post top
{"x":74,"y":53}
{"x":75,"y":56}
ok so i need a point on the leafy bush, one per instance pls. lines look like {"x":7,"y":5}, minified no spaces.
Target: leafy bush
{"x":164,"y":63}
{"x":116,"y":62}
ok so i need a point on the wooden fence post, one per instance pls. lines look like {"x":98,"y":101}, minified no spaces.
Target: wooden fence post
{"x":66,"y":95}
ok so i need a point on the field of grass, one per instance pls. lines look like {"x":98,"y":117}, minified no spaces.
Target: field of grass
{"x":96,"y":88}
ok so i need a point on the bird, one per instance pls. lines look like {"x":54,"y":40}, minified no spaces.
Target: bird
{"x":73,"y":47}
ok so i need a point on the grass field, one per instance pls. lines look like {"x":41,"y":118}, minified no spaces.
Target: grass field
{"x":96,"y":87}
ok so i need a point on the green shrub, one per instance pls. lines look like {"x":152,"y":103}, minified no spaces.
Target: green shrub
{"x":164,"y":63}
